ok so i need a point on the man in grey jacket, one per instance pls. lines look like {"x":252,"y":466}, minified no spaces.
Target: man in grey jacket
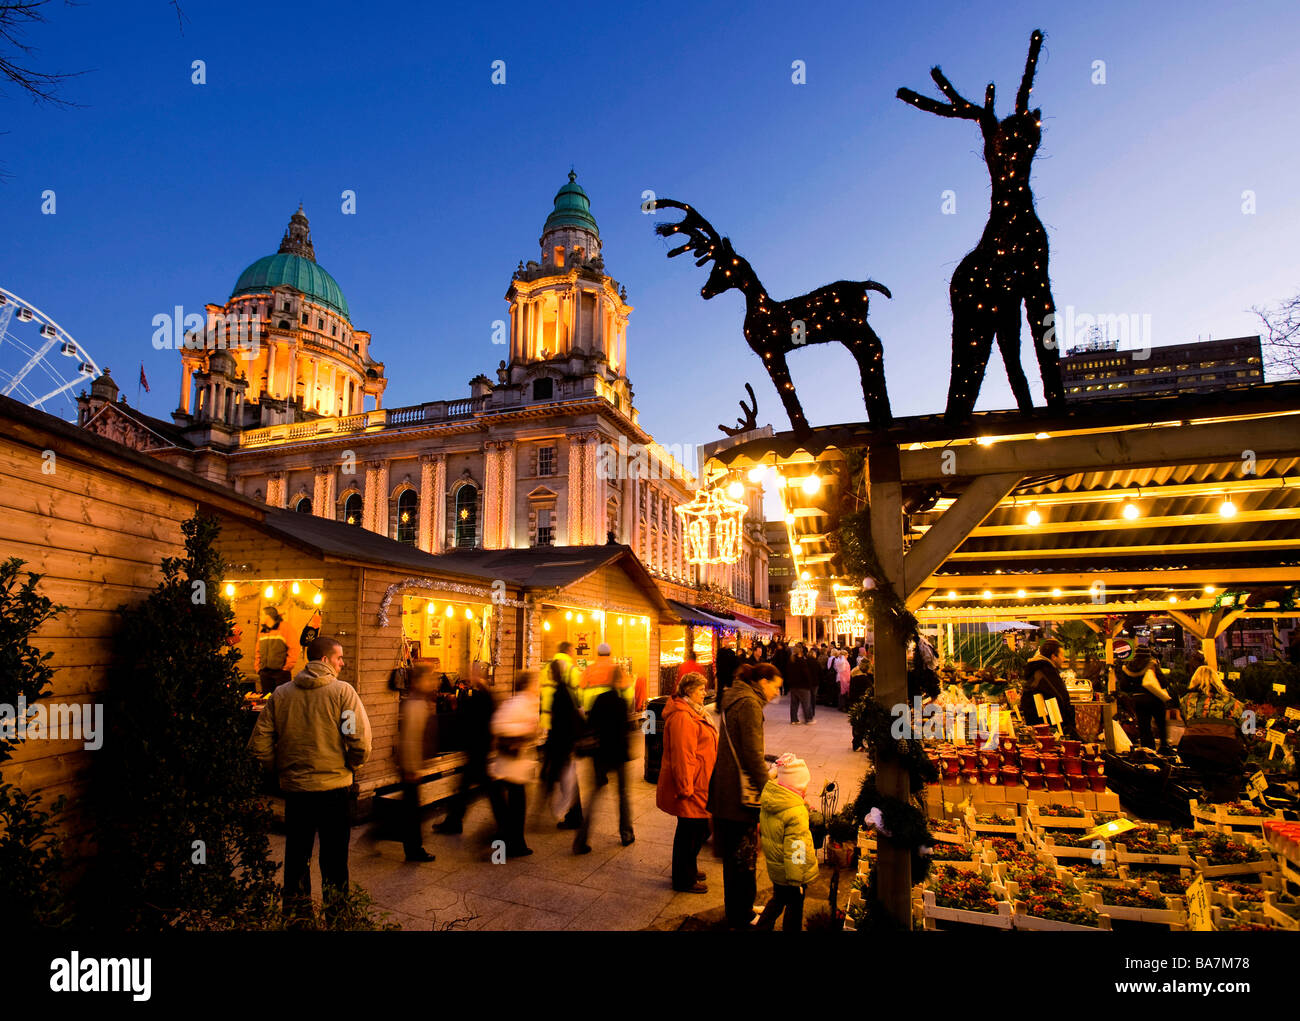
{"x":314,"y":732}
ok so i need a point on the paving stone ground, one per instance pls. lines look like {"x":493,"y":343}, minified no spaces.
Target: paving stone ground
{"x":613,"y":887}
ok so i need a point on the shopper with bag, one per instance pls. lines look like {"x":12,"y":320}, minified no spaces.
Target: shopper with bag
{"x":738,"y":780}
{"x":1141,"y":681}
{"x":514,"y":732}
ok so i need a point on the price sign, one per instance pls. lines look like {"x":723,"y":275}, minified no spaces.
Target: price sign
{"x":1234,"y":675}
{"x":1279,"y":689}
{"x":1040,"y":706}
{"x":1292,"y":712}
{"x":1110,"y":829}
{"x":1198,"y":906}
{"x":1257,"y":785}
{"x":1276,"y":736}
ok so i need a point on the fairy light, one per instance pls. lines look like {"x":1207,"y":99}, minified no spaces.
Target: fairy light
{"x":469,"y":614}
{"x":736,"y":490}
{"x":1227,"y":509}
{"x":294,"y":588}
{"x":1131,"y":511}
{"x":987,"y":595}
{"x":1209,"y":590}
{"x":568,"y":615}
{"x":230,"y":590}
{"x":1020,"y":593}
{"x":546,"y":625}
{"x":430,"y":608}
{"x":451,"y":611}
{"x":757,"y":472}
{"x":1034,"y":518}
{"x":579,"y":619}
{"x":269,"y":592}
{"x":952,"y":594}
{"x":318,"y":598}
{"x":1056,"y":593}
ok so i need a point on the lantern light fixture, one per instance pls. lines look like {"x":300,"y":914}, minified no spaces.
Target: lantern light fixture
{"x":1227,"y":509}
{"x":1034,"y":518}
{"x":811,"y":484}
{"x":318,"y":598}
{"x":270,"y":592}
{"x":736,"y":490}
{"x":230,"y":590}
{"x":451,"y":611}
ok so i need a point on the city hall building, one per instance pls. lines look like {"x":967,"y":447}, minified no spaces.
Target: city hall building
{"x":549,"y":452}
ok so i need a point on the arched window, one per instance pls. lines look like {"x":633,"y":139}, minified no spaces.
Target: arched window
{"x":466,"y":517}
{"x":408,"y":513}
{"x":543,"y":389}
{"x":353,"y":509}
{"x":304,"y":505}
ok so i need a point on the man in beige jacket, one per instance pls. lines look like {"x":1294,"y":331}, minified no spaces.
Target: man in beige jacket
{"x":314,"y":733}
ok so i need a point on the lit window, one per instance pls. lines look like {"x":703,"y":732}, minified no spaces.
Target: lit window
{"x":466,"y":516}
{"x":408,"y":513}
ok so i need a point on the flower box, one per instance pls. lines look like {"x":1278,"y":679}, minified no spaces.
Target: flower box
{"x":958,"y":889}
{"x":1172,"y":912}
{"x":1006,"y":822}
{"x":1051,"y":843}
{"x":1225,"y":817}
{"x":1044,"y":817}
{"x":1172,"y":883}
{"x":1147,"y":845}
{"x":1227,"y":854}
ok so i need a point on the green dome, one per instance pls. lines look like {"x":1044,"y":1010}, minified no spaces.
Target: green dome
{"x":283,"y":269}
{"x":572,"y":208}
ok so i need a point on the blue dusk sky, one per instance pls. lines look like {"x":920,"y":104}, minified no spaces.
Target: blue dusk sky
{"x":166,"y":190}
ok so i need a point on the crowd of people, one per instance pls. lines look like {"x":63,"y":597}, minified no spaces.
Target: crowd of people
{"x":715,"y":777}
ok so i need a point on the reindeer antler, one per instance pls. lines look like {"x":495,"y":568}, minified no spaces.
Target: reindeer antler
{"x":703,"y":239}
{"x":750,"y":421}
{"x":1027,"y":82}
{"x":957,"y":105}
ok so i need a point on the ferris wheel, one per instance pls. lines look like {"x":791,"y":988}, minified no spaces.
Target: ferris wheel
{"x":29,"y":369}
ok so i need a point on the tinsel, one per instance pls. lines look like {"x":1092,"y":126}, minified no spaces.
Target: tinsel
{"x":474,"y":591}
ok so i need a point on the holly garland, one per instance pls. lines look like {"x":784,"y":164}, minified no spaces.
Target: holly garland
{"x":872,"y":726}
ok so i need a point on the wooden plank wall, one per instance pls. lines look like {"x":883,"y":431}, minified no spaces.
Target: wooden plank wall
{"x":99,"y":539}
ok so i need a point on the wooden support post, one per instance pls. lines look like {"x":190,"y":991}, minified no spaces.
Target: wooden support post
{"x":895,"y":864}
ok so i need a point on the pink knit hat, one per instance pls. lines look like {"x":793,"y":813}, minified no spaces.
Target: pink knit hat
{"x":792,"y":772}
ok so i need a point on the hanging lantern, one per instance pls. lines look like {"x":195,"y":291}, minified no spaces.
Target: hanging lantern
{"x":803,"y":600}
{"x":712,"y":523}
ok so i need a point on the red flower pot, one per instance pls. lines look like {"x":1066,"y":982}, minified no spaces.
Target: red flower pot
{"x":970,"y":776}
{"x":1092,"y":767}
{"x":969,"y":760}
{"x":1030,"y":762}
{"x":1007,"y":744}
{"x":951,"y":766}
{"x":1034,"y":781}
{"x":1047,"y":744}
{"x":1051,"y":764}
{"x":1010,"y":775}
{"x":1043,"y":729}
{"x":989,"y":774}
{"x":1097,"y":784}
{"x":1072,"y":747}
{"x":990,"y":759}
{"x":1078,"y":782}
{"x":1055,"y":782}
{"x":1073,"y":766}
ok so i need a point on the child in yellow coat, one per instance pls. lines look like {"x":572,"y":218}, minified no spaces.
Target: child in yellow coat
{"x":787,"y":843}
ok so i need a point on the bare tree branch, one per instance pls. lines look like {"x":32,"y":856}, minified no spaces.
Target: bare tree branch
{"x":16,"y":16}
{"x":1282,"y":336}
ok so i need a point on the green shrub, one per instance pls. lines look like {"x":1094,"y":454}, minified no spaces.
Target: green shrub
{"x":31,"y":858}
{"x":181,"y":825}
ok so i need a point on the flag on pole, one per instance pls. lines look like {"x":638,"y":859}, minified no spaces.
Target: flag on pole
{"x":144,"y":381}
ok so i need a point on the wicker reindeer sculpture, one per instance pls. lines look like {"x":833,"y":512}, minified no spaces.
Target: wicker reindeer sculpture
{"x":1009,"y":265}
{"x":836,"y":312}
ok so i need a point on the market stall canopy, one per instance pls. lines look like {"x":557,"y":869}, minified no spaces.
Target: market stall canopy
{"x":689,"y":614}
{"x":552,"y":567}
{"x":1174,"y":504}
{"x":744,"y":622}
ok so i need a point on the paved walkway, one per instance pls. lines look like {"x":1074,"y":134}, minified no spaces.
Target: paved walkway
{"x":613,"y":887}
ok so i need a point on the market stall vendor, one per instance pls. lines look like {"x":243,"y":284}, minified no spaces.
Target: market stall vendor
{"x":1043,"y":677}
{"x":1212,"y":743}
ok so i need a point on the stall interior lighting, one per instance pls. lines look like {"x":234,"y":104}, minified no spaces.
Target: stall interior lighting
{"x":294,"y":588}
{"x":811,"y":484}
{"x":546,"y":625}
{"x":430,"y":608}
{"x":736,"y":490}
{"x":1034,"y":518}
{"x":1227,"y":509}
{"x":451,"y":611}
{"x":230,"y":590}
{"x":1131,"y":511}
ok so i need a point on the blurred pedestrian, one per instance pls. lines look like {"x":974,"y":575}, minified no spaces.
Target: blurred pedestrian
{"x":739,"y":777}
{"x":474,"y":710}
{"x":690,"y":751}
{"x":606,"y":701}
{"x":413,"y":720}
{"x":514,"y":731}
{"x":560,"y":724}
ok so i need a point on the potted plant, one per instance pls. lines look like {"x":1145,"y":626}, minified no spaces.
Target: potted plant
{"x":842,"y":828}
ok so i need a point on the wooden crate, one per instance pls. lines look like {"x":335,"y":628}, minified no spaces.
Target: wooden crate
{"x":1016,"y":828}
{"x":1124,"y":856}
{"x":1039,"y":822}
{"x":1174,"y":916}
{"x":1245,"y":868}
{"x":932,"y":913}
{"x":1049,"y":846}
{"x":1206,"y":817}
{"x":1025,"y":921}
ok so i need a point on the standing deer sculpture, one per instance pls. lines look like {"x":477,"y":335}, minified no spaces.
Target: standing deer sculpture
{"x":836,"y":312}
{"x":1009,"y":265}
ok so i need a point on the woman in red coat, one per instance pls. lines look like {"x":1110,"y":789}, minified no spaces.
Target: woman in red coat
{"x":690,"y":750}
